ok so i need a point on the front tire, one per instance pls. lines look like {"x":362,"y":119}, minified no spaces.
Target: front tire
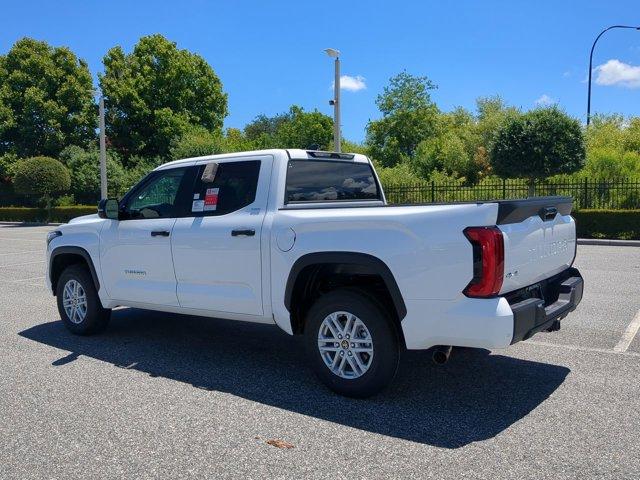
{"x":351,"y":343}
{"x":78,"y":302}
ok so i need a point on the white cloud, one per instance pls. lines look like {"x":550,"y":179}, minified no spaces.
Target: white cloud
{"x":566,"y":74}
{"x":351,"y":84}
{"x":545,"y":100}
{"x":618,"y":73}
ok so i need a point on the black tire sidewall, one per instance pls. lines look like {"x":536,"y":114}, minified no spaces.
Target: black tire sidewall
{"x":97,"y":317}
{"x":386,"y":354}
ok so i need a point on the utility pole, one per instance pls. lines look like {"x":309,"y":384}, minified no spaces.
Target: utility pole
{"x":336,"y":98}
{"x":103,"y":152}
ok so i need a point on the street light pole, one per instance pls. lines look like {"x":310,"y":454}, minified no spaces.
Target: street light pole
{"x":336,"y":98}
{"x":103,"y":152}
{"x":591,"y":64}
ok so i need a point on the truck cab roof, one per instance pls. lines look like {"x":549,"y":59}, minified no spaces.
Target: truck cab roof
{"x":291,"y":153}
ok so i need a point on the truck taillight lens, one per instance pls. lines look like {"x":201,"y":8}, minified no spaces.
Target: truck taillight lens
{"x":488,"y":261}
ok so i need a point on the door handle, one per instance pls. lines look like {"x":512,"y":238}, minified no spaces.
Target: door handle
{"x":249,"y":232}
{"x":159,"y":233}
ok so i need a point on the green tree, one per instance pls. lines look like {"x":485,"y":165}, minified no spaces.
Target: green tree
{"x":196,"y":142}
{"x":43,"y":176}
{"x":492,"y":112}
{"x":262,"y":130}
{"x":46,"y":99}
{"x":538,"y":144}
{"x":236,"y":141}
{"x":7,"y":164}
{"x":294,"y":129}
{"x":408,"y":117}
{"x":84,"y":168}
{"x":304,"y":129}
{"x":156,"y":94}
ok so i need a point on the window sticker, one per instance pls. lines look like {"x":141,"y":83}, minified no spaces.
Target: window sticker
{"x":196,"y":196}
{"x":211,"y":199}
{"x":197,"y":206}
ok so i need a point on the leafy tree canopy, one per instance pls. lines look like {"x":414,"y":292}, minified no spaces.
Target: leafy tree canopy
{"x":537,"y":144}
{"x":84,"y":168}
{"x":157,"y":93}
{"x":408,"y":118}
{"x":46,"y":99}
{"x":196,"y":142}
{"x":294,"y":129}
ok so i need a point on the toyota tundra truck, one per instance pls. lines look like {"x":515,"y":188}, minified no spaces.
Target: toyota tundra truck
{"x":305,"y":240}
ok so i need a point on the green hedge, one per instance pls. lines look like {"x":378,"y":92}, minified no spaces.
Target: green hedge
{"x":57,"y":214}
{"x":620,"y":224}
{"x":623,"y":224}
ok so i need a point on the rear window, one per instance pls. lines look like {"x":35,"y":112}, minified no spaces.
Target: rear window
{"x":328,"y":181}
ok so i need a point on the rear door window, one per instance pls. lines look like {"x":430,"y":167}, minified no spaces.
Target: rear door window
{"x":224,"y":187}
{"x":330,"y":181}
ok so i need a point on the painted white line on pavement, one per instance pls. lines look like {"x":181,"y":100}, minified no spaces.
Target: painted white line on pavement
{"x":20,"y":264}
{"x":42,"y":240}
{"x":22,"y":280}
{"x":21,"y":253}
{"x":628,"y":335}
{"x":578,"y":348}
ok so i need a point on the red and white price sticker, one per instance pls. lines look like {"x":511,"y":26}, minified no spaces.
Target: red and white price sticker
{"x":211,"y":199}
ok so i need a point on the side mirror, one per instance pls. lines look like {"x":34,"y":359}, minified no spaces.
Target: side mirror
{"x":109,"y":208}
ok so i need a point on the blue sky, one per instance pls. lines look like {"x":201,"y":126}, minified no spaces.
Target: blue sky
{"x":269,"y":55}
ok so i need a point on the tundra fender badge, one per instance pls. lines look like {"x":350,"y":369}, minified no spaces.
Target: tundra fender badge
{"x":138,"y":273}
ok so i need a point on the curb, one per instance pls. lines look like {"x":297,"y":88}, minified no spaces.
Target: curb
{"x":609,"y":243}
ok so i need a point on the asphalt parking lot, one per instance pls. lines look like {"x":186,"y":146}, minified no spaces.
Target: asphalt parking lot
{"x":171,"y":396}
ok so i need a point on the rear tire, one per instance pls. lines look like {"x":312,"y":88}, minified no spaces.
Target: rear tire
{"x":78,"y":302}
{"x":336,"y":331}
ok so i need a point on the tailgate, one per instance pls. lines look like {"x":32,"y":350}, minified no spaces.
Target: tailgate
{"x":539,"y":239}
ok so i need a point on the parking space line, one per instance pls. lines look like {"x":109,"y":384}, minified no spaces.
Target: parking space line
{"x":578,"y":348}
{"x":20,"y":264}
{"x":20,"y":253}
{"x":629,"y":334}
{"x":41,"y":240}
{"x":22,"y":280}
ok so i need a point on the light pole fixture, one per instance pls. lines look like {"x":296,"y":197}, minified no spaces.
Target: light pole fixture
{"x":103,"y":151}
{"x":336,"y":98}
{"x":591,"y":63}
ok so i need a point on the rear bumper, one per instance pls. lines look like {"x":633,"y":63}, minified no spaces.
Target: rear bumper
{"x":538,"y":307}
{"x":492,"y":323}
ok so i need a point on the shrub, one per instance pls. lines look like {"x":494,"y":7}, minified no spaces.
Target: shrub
{"x":620,"y":224}
{"x":43,"y":176}
{"x":84,"y":168}
{"x":56,"y":214}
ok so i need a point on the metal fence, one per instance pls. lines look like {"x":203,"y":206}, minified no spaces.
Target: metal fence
{"x":610,"y":194}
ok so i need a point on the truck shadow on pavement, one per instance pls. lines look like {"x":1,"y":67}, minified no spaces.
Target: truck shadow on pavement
{"x":473,"y":397}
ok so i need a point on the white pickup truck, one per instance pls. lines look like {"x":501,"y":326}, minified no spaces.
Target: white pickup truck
{"x":306,"y":240}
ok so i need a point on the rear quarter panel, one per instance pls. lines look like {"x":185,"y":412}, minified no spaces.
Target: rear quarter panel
{"x":423,"y":246}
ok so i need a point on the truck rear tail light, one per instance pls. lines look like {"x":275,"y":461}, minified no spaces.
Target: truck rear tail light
{"x":488,"y":261}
